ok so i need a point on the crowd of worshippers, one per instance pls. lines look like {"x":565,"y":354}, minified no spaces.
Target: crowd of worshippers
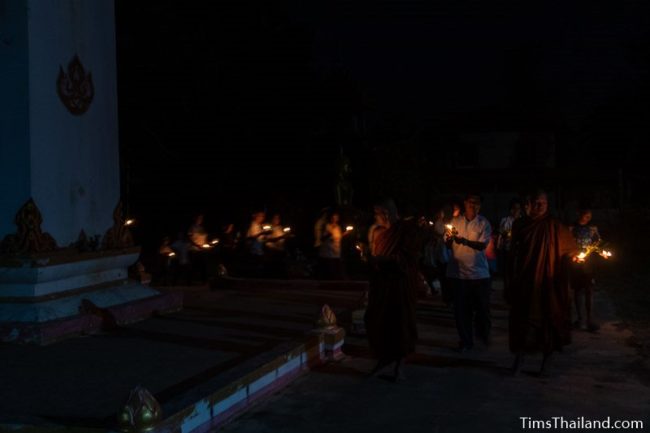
{"x":455,"y":256}
{"x":194,"y":255}
{"x":264,"y":248}
{"x":542,"y":262}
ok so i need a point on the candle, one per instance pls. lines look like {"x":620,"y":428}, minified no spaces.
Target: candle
{"x":605,"y":254}
{"x":266,"y":228}
{"x":215,"y":242}
{"x":431,"y":223}
{"x":206,"y":246}
{"x":286,"y":229}
{"x":129,"y":222}
{"x":171,"y":254}
{"x":349,"y":228}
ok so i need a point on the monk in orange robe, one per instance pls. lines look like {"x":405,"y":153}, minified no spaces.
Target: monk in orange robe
{"x":538,"y":289}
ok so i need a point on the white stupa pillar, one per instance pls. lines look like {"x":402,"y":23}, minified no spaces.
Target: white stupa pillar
{"x":61,"y":241}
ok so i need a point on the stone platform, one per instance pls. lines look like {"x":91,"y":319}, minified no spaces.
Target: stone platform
{"x":52,"y":296}
{"x":204,"y":364}
{"x":233,"y":283}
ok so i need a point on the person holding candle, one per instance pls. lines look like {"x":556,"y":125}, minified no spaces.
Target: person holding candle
{"x":318,"y":226}
{"x":182,"y":269}
{"x":255,"y":238}
{"x":538,"y":289}
{"x":505,"y":233}
{"x":198,"y":238}
{"x":329,"y":251}
{"x":277,"y":237}
{"x":228,"y":238}
{"x":161,"y":272}
{"x":442,"y":252}
{"x":197,"y":234}
{"x":228,"y":241}
{"x":468,"y":273}
{"x":275,"y":247}
{"x":390,"y":317}
{"x":428,"y":265}
{"x":582,"y":274}
{"x":373,"y":232}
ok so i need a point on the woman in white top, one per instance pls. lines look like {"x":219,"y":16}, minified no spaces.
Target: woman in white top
{"x":329,"y":252}
{"x":331,"y":238}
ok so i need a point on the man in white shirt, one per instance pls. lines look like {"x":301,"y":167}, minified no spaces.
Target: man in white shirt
{"x":469,"y":273}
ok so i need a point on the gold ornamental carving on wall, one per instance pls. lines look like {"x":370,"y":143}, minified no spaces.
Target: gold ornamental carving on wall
{"x":141,"y":413}
{"x":75,"y":87}
{"x":29,"y":238}
{"x":118,"y":236}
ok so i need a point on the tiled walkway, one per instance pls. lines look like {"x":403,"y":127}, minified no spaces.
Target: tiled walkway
{"x":448,"y":392}
{"x":83,"y":381}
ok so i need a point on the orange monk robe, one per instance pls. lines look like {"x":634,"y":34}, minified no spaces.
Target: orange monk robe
{"x":538,"y":285}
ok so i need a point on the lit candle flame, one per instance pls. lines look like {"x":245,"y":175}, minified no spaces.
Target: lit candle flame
{"x":431,"y":223}
{"x":266,"y":228}
{"x":358,"y":247}
{"x":129,"y":222}
{"x":582,"y":255}
{"x":349,"y":228}
{"x":606,"y":254}
{"x":206,"y":246}
{"x":171,"y":254}
{"x":286,"y":229}
{"x":449,"y":227}
{"x":215,"y":242}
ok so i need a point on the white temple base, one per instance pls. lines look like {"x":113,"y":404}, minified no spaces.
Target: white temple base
{"x":41,"y":302}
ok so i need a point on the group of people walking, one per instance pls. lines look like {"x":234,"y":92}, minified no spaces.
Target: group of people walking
{"x":541,"y":261}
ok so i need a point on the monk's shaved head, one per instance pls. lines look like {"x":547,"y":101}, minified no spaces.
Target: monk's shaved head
{"x":539,"y":204}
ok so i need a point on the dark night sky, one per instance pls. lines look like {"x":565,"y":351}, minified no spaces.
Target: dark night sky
{"x":245,"y":104}
{"x":463,"y":56}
